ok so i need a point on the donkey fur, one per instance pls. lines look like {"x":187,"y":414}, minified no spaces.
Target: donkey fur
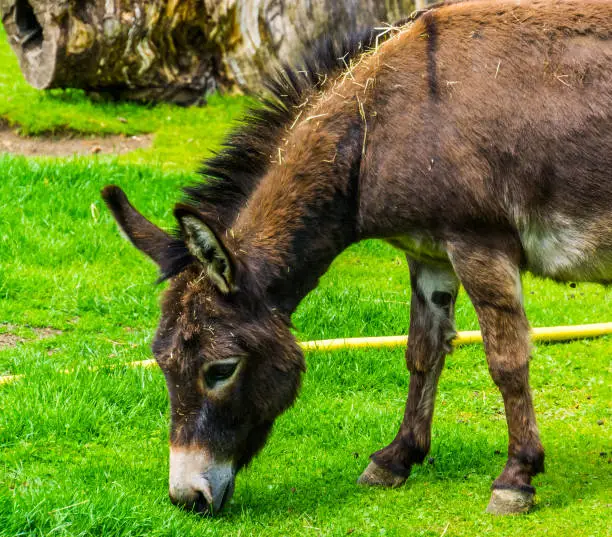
{"x":477,"y":138}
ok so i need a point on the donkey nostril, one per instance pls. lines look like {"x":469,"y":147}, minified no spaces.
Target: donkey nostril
{"x":197,"y":503}
{"x":201,"y":505}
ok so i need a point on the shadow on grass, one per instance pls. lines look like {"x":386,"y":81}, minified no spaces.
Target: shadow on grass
{"x":439,"y":486}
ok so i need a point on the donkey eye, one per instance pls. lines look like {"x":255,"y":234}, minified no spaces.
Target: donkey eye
{"x":218,"y":372}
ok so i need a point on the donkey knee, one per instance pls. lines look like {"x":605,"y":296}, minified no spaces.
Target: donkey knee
{"x":510,"y":375}
{"x":434,"y":290}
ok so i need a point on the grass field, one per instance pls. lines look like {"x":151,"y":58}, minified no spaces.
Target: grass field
{"x":86,"y":453}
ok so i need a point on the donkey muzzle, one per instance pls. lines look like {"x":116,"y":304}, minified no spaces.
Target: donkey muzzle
{"x":197,"y":482}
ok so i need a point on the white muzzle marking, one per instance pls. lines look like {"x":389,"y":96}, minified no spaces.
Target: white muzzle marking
{"x":194,"y":471}
{"x":187,"y":467}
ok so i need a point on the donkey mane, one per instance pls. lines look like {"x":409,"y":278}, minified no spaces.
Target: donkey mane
{"x":233,"y":173}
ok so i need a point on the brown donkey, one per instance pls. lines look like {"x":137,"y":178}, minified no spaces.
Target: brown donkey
{"x":477,"y":138}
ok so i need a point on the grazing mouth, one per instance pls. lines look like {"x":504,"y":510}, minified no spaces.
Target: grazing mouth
{"x":207,"y":505}
{"x":201,"y":505}
{"x":227,"y":495}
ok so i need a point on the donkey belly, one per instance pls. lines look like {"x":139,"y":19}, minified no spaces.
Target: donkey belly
{"x":421,"y":247}
{"x":565,"y":253}
{"x":569,"y":251}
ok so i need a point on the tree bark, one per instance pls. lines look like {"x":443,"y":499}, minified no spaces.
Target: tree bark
{"x":257,"y":35}
{"x":422,"y":4}
{"x":177,"y":50}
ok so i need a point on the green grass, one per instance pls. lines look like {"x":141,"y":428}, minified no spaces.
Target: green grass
{"x":86,"y":453}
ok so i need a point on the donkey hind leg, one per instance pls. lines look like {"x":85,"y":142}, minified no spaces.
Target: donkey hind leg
{"x":491,"y":278}
{"x":434,"y":290}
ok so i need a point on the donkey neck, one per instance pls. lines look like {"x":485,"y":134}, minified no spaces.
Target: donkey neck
{"x":303,"y":212}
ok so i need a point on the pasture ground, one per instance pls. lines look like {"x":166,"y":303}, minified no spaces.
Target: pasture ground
{"x":86,"y":453}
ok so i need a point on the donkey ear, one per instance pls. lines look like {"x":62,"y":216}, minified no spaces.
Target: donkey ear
{"x":207,"y":247}
{"x":146,"y":236}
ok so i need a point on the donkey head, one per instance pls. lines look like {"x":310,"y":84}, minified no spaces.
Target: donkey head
{"x":230,"y":361}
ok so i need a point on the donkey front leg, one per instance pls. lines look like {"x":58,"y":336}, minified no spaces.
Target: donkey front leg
{"x":434,"y":290}
{"x":490,"y":274}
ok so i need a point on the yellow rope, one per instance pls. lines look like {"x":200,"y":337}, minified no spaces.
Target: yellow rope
{"x":550,"y":333}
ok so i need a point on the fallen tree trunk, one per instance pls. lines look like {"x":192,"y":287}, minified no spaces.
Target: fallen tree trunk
{"x":147,"y":49}
{"x":422,"y":4}
{"x":177,"y":50}
{"x":256,"y":35}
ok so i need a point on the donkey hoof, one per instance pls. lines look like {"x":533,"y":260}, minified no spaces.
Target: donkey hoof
{"x":510,"y":501}
{"x":377,"y":476}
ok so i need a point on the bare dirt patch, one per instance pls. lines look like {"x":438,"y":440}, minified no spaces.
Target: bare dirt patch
{"x":9,"y":339}
{"x":67,"y":145}
{"x":44,"y":333}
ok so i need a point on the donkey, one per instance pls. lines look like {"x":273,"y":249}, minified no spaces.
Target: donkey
{"x":477,"y":138}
